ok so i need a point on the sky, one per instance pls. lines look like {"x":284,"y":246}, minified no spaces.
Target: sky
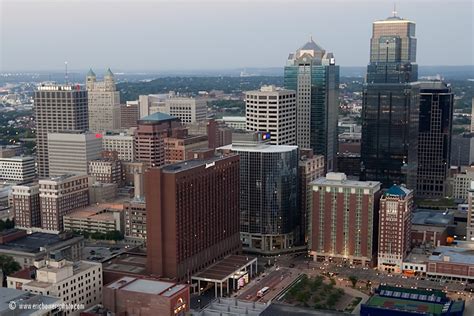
{"x":166,"y":35}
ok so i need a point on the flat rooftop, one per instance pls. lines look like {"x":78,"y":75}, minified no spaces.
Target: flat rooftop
{"x":106,"y":211}
{"x":33,"y":242}
{"x":462,"y":254}
{"x":432,"y":217}
{"x":154,"y":287}
{"x":324,"y":181}
{"x":258,"y":147}
{"x":190,"y":164}
{"x":225,"y":267}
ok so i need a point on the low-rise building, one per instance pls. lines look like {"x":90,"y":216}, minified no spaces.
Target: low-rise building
{"x":130,"y":295}
{"x":17,"y":302}
{"x":74,"y":282}
{"x":98,"y":218}
{"x":431,"y":227}
{"x":28,"y":248}
{"x":17,"y":169}
{"x":452,"y":262}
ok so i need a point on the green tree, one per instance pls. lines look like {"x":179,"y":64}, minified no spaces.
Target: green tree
{"x":8,"y":266}
{"x":353,"y":280}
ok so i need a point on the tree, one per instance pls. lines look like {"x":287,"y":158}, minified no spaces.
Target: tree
{"x":8,"y":266}
{"x":353,"y":280}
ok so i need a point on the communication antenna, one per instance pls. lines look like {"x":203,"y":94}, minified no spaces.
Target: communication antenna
{"x":65,"y":74}
{"x":394,"y":12}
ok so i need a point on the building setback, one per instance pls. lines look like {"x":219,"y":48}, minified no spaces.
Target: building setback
{"x":69,"y":152}
{"x":26,"y":206}
{"x":57,"y":108}
{"x":272,"y":110}
{"x":434,"y":139}
{"x":60,"y":195}
{"x":192,"y":215}
{"x":394,"y":240}
{"x":345,"y":219}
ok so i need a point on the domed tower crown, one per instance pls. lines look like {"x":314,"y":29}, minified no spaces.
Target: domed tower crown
{"x":90,"y":79}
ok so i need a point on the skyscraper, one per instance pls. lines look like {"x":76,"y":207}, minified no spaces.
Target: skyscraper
{"x":313,"y":74}
{"x":390,"y":105}
{"x":269,"y":214}
{"x":192,"y":215}
{"x":272,"y":110}
{"x":434,"y":139}
{"x":57,"y":108}
{"x":104,"y":102}
{"x":395,"y":212}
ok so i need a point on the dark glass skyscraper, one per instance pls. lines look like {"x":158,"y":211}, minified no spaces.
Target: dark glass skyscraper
{"x":313,"y":74}
{"x":434,"y":139}
{"x":391,"y":105}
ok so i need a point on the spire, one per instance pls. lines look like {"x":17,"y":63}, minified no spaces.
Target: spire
{"x":90,"y":73}
{"x":109,"y":73}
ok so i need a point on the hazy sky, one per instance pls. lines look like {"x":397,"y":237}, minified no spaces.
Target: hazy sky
{"x":197,"y":35}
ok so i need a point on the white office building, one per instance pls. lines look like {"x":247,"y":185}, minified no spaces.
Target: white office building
{"x":272,"y":110}
{"x":121,"y":143}
{"x":17,"y":169}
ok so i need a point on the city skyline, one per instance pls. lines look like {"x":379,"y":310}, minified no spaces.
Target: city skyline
{"x":211,"y":35}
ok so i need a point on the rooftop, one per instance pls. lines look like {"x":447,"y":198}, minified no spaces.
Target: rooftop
{"x":101,"y":211}
{"x":397,"y":190}
{"x":33,"y":242}
{"x":258,"y":147}
{"x":225,"y":267}
{"x":158,"y":117}
{"x":336,"y":179}
{"x":432,"y":217}
{"x":8,"y":295}
{"x":190,"y":164}
{"x":462,"y":253}
{"x":147,"y":286}
{"x":311,"y":45}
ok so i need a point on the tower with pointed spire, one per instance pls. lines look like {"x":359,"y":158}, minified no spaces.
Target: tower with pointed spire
{"x":390,"y":107}
{"x":104,"y":102}
{"x":312,"y":72}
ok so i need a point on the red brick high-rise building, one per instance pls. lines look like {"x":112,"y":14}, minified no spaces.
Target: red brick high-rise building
{"x":193,"y":215}
{"x":396,"y":206}
{"x":149,"y":138}
{"x":344,"y":219}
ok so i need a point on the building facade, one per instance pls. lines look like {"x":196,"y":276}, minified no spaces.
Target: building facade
{"x":218,"y":134}
{"x":269,"y":215}
{"x":345,"y":219}
{"x":57,"y":108}
{"x":121,"y":143}
{"x":434,"y":139}
{"x":272,"y":110}
{"x":101,"y":218}
{"x":106,"y":170}
{"x":313,"y":74}
{"x":60,"y":195}
{"x":137,"y":296}
{"x":26,"y":205}
{"x":178,"y":147}
{"x":74,"y":283}
{"x":390,"y":105}
{"x":129,"y":114}
{"x":394,"y":239}
{"x":103,"y":102}
{"x":70,"y":152}
{"x":192,"y":215}
{"x":310,"y":168}
{"x":149,"y":138}
{"x":188,"y":110}
{"x":17,"y":170}
{"x":134,"y":213}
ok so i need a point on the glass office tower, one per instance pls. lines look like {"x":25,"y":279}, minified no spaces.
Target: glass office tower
{"x":434,"y":139}
{"x":390,"y":109}
{"x":269,"y":214}
{"x":313,"y":74}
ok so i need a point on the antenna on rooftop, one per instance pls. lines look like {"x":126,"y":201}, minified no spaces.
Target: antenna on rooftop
{"x":65,"y":74}
{"x":394,"y":12}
